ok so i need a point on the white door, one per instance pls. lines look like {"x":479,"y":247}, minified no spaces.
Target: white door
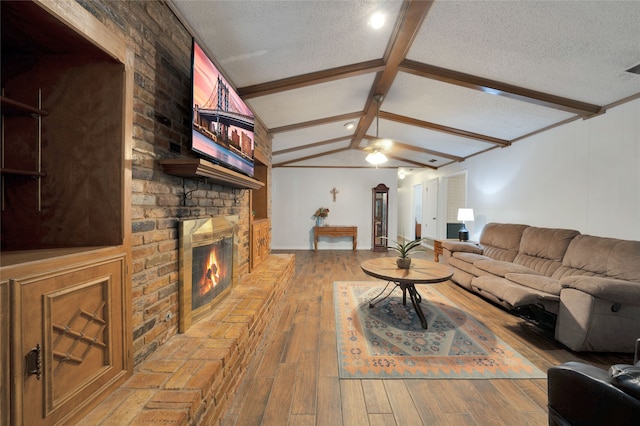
{"x":430,"y":229}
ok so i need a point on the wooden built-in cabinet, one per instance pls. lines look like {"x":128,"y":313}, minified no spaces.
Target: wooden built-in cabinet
{"x":260,"y":223}
{"x":67,"y":323}
{"x":260,"y":241}
{"x":65,"y":297}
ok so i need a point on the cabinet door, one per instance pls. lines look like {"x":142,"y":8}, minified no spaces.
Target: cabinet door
{"x":260,"y":242}
{"x":5,"y":344}
{"x":75,"y":317}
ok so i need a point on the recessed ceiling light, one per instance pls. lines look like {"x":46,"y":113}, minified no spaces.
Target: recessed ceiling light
{"x":350,"y":125}
{"x":376,"y":21}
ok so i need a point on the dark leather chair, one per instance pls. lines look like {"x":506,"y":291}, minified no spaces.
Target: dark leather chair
{"x":583,"y":395}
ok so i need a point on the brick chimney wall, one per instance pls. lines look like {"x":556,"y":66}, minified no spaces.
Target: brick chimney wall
{"x":162,"y":125}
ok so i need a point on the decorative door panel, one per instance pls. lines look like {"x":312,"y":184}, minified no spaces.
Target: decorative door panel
{"x":71,"y":338}
{"x":260,"y":241}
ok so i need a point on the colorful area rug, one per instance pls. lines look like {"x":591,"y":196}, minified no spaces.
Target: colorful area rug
{"x":388,"y":342}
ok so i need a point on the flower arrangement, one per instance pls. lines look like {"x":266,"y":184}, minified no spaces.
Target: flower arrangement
{"x":321,"y":212}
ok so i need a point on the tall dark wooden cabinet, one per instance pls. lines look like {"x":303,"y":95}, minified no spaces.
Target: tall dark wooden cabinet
{"x":65,"y":180}
{"x":380,"y":215}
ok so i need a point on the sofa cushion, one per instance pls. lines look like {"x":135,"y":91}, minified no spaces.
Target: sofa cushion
{"x":609,"y":289}
{"x":501,"y":268}
{"x":542,"y":249}
{"x":469,"y":257}
{"x":464,"y":262}
{"x":599,"y":256}
{"x":538,"y":282}
{"x":550,"y":243}
{"x":514,"y":294}
{"x":501,"y":241}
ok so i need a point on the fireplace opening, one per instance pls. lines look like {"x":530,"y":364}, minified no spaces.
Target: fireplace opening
{"x":208,"y":262}
{"x":211,"y":271}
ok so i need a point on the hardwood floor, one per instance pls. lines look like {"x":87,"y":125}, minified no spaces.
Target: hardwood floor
{"x":293,"y":378}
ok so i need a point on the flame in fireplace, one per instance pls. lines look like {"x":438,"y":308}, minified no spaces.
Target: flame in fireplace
{"x":211,"y":276}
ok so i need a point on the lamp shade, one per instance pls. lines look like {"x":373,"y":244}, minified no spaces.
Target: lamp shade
{"x":465,"y":215}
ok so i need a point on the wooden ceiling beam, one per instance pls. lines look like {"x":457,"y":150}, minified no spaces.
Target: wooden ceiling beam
{"x":419,"y":149}
{"x":410,"y":19}
{"x":415,"y":163}
{"x":318,"y":122}
{"x":298,"y":81}
{"x":440,"y":128}
{"x":396,"y":157}
{"x":499,"y":88}
{"x":311,"y":145}
{"x":309,"y":157}
{"x":428,"y":151}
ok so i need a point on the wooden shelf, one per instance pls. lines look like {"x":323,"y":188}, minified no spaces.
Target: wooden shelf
{"x":11,"y":107}
{"x":22,"y":172}
{"x":196,"y":168}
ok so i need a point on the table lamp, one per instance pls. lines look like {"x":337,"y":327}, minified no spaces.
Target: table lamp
{"x":464,"y":215}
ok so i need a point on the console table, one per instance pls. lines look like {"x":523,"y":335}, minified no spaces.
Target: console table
{"x":335,"y":232}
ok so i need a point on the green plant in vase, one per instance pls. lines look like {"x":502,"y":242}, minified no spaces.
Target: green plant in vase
{"x":404,"y":249}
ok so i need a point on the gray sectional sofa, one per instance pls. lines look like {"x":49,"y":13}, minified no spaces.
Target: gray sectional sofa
{"x":586,"y":287}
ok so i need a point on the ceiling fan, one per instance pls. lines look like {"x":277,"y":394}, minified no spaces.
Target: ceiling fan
{"x":377,"y":147}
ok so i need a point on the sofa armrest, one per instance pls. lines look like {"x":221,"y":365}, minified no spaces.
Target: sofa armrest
{"x":610,"y":289}
{"x":458,"y":246}
{"x":626,"y":378}
{"x":596,"y":402}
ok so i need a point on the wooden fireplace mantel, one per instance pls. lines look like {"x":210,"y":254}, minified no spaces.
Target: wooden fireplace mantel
{"x":197,"y":167}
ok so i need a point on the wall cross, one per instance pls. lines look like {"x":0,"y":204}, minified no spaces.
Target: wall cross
{"x":334,"y":192}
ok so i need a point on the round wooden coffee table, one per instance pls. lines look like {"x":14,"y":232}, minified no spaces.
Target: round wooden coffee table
{"x":421,"y":272}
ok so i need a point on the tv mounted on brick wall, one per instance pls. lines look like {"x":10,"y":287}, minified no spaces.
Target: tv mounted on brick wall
{"x":223,"y":125}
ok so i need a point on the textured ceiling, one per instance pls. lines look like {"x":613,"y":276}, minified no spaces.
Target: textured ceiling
{"x":458,"y":77}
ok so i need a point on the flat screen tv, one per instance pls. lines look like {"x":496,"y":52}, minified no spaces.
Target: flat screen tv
{"x":223,"y":124}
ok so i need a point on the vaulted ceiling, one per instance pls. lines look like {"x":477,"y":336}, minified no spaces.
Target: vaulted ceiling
{"x":457,"y":78}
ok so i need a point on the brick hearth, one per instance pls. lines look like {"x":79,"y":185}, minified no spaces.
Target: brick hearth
{"x":190,"y":379}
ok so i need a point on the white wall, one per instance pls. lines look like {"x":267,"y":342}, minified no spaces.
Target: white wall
{"x":584,"y":175}
{"x":298,"y":192}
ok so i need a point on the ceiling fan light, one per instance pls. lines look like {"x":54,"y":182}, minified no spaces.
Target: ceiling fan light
{"x":385,"y":144}
{"x":376,"y":20}
{"x":376,"y":158}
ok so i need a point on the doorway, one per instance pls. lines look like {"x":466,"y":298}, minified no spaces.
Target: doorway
{"x":417,"y":210}
{"x":431,"y":210}
{"x":456,"y":193}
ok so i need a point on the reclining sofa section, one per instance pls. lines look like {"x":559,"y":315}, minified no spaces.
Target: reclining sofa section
{"x":586,"y":287}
